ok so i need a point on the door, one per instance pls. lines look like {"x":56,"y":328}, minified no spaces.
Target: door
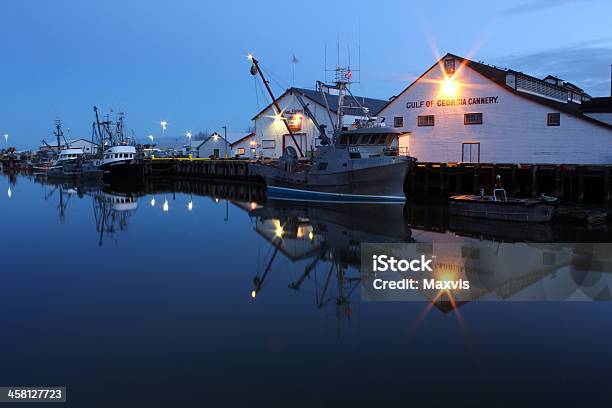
{"x":404,"y":144}
{"x":299,"y":137}
{"x":216,"y":153}
{"x":471,"y":152}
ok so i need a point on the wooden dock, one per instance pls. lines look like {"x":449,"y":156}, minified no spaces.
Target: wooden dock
{"x":577,"y":183}
{"x":573,"y":183}
{"x":229,"y":169}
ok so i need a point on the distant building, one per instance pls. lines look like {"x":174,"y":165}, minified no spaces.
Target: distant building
{"x":245,"y":147}
{"x":214,"y":146}
{"x":465,"y":111}
{"x":87,"y":146}
{"x":272,"y":135}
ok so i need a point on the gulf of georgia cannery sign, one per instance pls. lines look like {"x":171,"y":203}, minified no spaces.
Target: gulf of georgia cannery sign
{"x":481,"y":100}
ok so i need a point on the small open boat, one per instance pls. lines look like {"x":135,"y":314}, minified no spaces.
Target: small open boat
{"x":500,"y":207}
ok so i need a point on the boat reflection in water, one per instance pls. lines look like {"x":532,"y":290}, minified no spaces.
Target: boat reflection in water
{"x":111,"y":209}
{"x":327,"y":235}
{"x":502,"y":260}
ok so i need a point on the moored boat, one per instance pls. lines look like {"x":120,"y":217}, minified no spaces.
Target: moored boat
{"x":500,"y":207}
{"x":361,"y":163}
{"x":118,"y":156}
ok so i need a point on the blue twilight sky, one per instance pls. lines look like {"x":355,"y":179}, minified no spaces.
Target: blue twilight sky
{"x":185,"y":60}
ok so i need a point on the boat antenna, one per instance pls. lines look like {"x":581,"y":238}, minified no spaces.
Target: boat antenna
{"x":255,"y":69}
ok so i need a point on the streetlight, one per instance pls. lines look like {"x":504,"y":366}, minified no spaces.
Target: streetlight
{"x":188,"y":134}
{"x":225,"y":133}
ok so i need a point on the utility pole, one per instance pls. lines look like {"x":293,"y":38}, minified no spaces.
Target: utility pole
{"x":225,"y":137}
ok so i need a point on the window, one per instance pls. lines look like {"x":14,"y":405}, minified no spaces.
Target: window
{"x":268,"y":144}
{"x":426,"y":120}
{"x":554,"y":119}
{"x":398,"y":121}
{"x":470,"y":152}
{"x":241,"y":150}
{"x":472,"y":119}
{"x":449,"y":66}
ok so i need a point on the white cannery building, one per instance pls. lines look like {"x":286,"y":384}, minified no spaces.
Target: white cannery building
{"x":272,"y":136}
{"x":466,"y":111}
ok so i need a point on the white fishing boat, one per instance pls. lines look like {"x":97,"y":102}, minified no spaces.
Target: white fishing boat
{"x":118,"y":156}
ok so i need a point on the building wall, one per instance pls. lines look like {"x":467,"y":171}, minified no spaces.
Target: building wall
{"x":268,"y":129}
{"x":514,"y":129}
{"x":248,"y":149}
{"x":207,"y":149}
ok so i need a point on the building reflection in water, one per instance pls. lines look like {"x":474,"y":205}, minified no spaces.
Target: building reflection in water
{"x":502,"y":260}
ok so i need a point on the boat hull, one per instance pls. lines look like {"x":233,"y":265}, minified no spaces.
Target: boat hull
{"x":500,"y":210}
{"x":123,"y":168}
{"x":383,"y":183}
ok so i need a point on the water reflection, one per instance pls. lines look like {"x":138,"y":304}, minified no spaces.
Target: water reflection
{"x":324,"y":241}
{"x":326,"y":235}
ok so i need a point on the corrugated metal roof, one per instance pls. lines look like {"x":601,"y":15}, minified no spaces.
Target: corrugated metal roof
{"x":373,"y":105}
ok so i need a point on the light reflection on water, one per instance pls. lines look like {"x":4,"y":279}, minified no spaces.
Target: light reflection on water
{"x":213,"y":284}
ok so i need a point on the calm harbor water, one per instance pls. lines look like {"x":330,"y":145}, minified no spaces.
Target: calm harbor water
{"x":182,"y":293}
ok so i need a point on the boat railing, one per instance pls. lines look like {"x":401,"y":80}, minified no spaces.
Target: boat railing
{"x":499,"y":190}
{"x":499,"y":194}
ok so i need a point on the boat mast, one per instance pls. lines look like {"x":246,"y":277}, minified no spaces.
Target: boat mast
{"x":59,"y":134}
{"x":255,"y":69}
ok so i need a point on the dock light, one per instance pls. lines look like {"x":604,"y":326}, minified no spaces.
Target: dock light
{"x":253,"y":294}
{"x":190,"y":205}
{"x":253,"y":205}
{"x":278,"y":229}
{"x":153,"y":202}
{"x":9,"y":193}
{"x":166,"y":206}
{"x":216,"y":200}
{"x":311,"y":235}
{"x":449,"y":87}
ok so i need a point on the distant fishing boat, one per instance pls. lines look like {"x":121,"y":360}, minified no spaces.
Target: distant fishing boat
{"x":118,"y":156}
{"x":68,"y":160}
{"x":499,"y":207}
{"x":361,"y":163}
